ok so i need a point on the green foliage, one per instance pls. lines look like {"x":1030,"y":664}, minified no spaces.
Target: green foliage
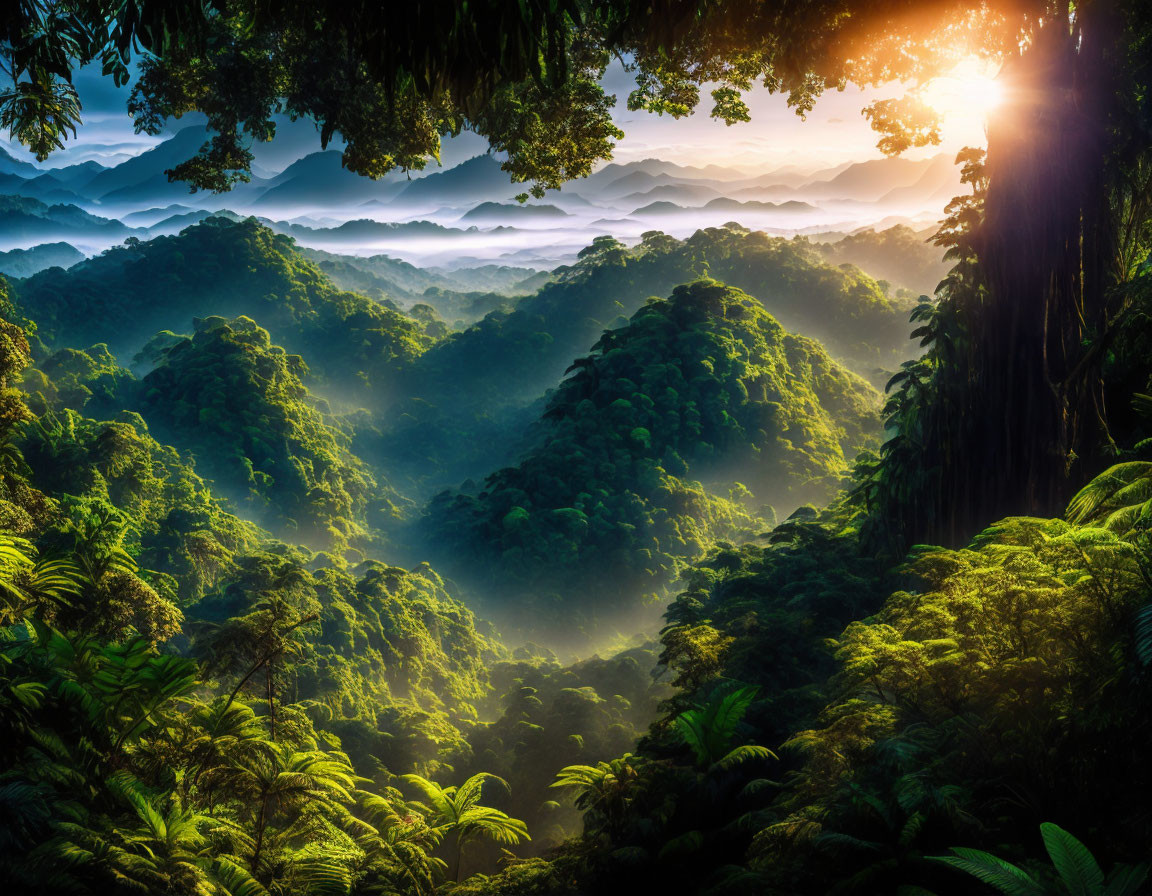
{"x":117,"y":776}
{"x":1118,"y":499}
{"x":548,"y":716}
{"x":655,"y":819}
{"x":127,"y":768}
{"x":381,"y":276}
{"x":1076,"y":870}
{"x":176,"y":527}
{"x":463,"y":395}
{"x":232,"y":397}
{"x":709,"y":730}
{"x":228,"y":269}
{"x":387,"y":659}
{"x":528,"y":84}
{"x":964,"y":692}
{"x":30,"y":582}
{"x":697,"y":385}
{"x":997,"y":644}
{"x":92,"y":583}
{"x":85,"y":381}
{"x":456,"y":811}
{"x":601,"y":786}
{"x":528,"y":348}
{"x":898,"y":255}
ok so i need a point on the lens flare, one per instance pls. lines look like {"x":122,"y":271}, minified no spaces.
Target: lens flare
{"x":969,"y":91}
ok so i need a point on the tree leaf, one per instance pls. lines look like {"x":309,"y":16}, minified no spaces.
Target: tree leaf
{"x":1074,"y":863}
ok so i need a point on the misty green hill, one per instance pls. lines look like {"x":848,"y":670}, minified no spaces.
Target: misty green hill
{"x":26,"y":262}
{"x":238,"y":403}
{"x":705,"y":387}
{"x":227,"y":269}
{"x":483,"y":379}
{"x":899,"y":254}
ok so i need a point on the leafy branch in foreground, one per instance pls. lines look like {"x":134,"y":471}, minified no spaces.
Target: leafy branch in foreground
{"x":28,"y":580}
{"x":1074,"y":871}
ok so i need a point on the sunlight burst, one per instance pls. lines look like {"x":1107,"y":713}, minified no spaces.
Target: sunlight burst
{"x":970,"y":90}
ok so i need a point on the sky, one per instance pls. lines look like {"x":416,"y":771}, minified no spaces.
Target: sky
{"x":833,"y":133}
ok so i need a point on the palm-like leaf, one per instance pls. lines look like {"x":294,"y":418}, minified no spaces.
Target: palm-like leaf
{"x":1004,"y":876}
{"x":1112,"y":496}
{"x":1074,"y":863}
{"x":456,"y":810}
{"x":27,"y":581}
{"x":234,"y":878}
{"x":746,"y":753}
{"x":709,"y":729}
{"x":1077,"y":871}
{"x":601,"y":785}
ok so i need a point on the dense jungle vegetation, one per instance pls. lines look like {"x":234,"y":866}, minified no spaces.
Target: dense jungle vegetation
{"x":704,"y":385}
{"x":242,"y":609}
{"x":210,"y":687}
{"x":226,"y":668}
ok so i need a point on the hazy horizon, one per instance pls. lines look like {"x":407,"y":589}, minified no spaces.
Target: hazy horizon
{"x":833,"y":133}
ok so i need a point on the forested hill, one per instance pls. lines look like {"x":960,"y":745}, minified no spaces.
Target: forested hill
{"x":485,"y":380}
{"x":513,"y":354}
{"x":226,"y":269}
{"x":705,"y":387}
{"x":900,"y":255}
{"x":239,"y":404}
{"x":360,"y":346}
{"x":161,"y":649}
{"x":441,"y":407}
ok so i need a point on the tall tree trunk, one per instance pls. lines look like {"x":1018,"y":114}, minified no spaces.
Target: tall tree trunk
{"x":269,"y":684}
{"x":1032,"y":376}
{"x":459,"y":857}
{"x":261,"y":824}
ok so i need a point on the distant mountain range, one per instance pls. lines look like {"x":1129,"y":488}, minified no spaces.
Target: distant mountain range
{"x":10,"y":165}
{"x":31,"y":220}
{"x":723,"y":204}
{"x":512,"y":212}
{"x":480,"y":179}
{"x":465,"y":213}
{"x":320,"y":179}
{"x":141,"y":180}
{"x":653,"y":168}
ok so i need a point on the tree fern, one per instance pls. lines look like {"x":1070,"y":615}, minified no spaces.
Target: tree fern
{"x":27,"y":581}
{"x":1115,"y":497}
{"x":709,"y":729}
{"x":456,"y":811}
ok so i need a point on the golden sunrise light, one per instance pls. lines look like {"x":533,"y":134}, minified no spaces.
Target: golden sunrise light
{"x":969,"y":91}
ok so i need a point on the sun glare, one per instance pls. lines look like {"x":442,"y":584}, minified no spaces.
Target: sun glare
{"x":969,"y":91}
